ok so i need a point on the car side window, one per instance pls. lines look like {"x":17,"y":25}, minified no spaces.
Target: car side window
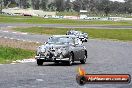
{"x":79,"y":42}
{"x":76,"y":42}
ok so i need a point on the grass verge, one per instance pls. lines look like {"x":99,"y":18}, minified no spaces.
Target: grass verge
{"x":120,"y":34}
{"x":8,"y":54}
{"x":19,"y":44}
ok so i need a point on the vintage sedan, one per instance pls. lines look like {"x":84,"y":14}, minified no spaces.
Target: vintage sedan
{"x":82,"y":36}
{"x":61,"y":48}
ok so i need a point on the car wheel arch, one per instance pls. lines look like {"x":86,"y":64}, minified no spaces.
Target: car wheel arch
{"x":73,"y":55}
{"x":86,"y":53}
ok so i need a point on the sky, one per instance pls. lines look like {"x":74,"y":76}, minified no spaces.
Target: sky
{"x":118,"y":0}
{"x":110,"y":0}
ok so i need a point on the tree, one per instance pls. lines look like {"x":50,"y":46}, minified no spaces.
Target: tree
{"x":77,"y":5}
{"x":104,"y":6}
{"x":68,"y":5}
{"x":23,"y":4}
{"x":92,"y":6}
{"x":52,"y":6}
{"x":5,"y":2}
{"x":128,"y":6}
{"x":43,"y":4}
{"x":1,"y":3}
{"x":36,"y":4}
{"x":89,"y":5}
{"x":59,"y":5}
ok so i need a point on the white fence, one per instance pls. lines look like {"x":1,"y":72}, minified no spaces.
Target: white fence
{"x":18,"y":11}
{"x":128,"y":19}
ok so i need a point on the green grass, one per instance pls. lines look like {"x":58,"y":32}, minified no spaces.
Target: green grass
{"x":8,"y":54}
{"x":65,"y":13}
{"x":120,"y":34}
{"x":41,"y":30}
{"x":38,"y":20}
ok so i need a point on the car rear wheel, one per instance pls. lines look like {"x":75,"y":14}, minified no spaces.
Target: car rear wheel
{"x":39,"y":62}
{"x":84,"y":60}
{"x":70,"y":59}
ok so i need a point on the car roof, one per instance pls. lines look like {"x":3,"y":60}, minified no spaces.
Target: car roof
{"x":64,"y":36}
{"x":75,"y":31}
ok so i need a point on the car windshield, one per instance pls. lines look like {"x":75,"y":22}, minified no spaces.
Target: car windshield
{"x":75,"y":32}
{"x":59,"y":40}
{"x":78,"y":32}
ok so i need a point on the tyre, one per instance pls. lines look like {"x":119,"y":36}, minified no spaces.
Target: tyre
{"x":84,"y":60}
{"x":70,"y":59}
{"x":39,"y":62}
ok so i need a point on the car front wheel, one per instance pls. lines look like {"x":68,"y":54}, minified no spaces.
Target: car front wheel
{"x":39,"y":62}
{"x":70,"y":59}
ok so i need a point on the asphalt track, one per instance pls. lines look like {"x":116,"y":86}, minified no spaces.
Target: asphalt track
{"x":63,"y":26}
{"x":104,"y":57}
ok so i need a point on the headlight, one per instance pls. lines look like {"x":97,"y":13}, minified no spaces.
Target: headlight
{"x":43,"y":50}
{"x":59,"y":50}
{"x":40,"y":49}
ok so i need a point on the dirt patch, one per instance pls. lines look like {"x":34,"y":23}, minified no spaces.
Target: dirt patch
{"x":19,"y":44}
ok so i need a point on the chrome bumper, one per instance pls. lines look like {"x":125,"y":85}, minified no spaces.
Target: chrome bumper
{"x":51,"y":59}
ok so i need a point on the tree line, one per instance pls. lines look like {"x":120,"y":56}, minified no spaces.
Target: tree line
{"x":92,"y":6}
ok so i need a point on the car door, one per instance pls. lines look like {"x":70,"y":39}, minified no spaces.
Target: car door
{"x":82,"y":49}
{"x":78,"y":46}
